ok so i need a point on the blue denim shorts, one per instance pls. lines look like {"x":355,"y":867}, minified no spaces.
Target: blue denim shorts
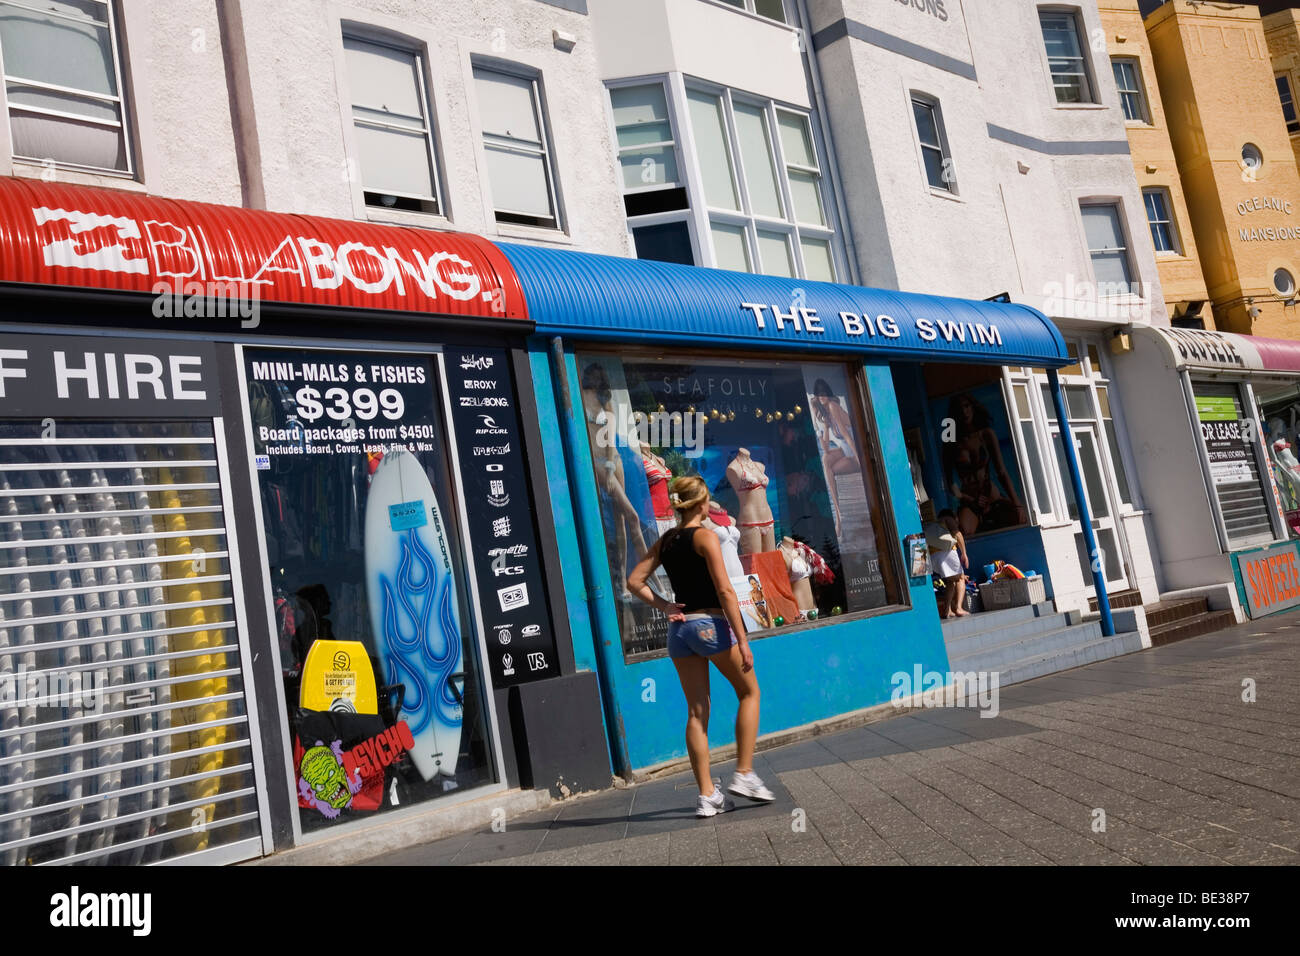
{"x":700,"y":635}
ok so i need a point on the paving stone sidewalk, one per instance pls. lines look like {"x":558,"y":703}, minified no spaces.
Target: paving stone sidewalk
{"x":1161,"y":741}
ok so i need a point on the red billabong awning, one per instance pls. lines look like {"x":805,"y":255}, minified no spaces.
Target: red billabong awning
{"x":76,"y":236}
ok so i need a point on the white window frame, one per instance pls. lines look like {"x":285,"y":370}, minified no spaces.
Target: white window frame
{"x":1144,"y":113}
{"x":1167,"y":197}
{"x":1089,"y":85}
{"x":683,"y":176}
{"x":120,"y":100}
{"x":750,"y":7}
{"x":919,"y":98}
{"x":546,"y":151}
{"x":410,"y":47}
{"x":1131,"y":267}
{"x":744,"y":218}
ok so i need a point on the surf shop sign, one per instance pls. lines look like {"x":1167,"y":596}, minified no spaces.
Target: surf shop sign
{"x":1268,"y":579}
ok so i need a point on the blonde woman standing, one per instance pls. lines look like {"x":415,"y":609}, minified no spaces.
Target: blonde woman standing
{"x":704,"y":626}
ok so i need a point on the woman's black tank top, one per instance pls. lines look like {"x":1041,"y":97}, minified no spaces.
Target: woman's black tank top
{"x":689,"y":573}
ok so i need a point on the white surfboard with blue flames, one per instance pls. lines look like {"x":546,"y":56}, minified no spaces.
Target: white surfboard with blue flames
{"x":413,"y":614}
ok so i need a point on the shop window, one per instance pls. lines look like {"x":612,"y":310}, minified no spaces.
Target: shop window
{"x":1127,"y":81}
{"x":128,"y":741}
{"x":1245,"y":501}
{"x":789,"y":458}
{"x":1288,"y":103}
{"x":1112,"y":443}
{"x":520,"y":169}
{"x":1029,"y":436}
{"x":654,"y":192}
{"x":1107,"y":248}
{"x":1160,"y":220}
{"x":1065,"y":56}
{"x":762,"y":184}
{"x":383,"y":679}
{"x":63,"y":84}
{"x":934,"y":144}
{"x":771,"y":9}
{"x":390,"y":118}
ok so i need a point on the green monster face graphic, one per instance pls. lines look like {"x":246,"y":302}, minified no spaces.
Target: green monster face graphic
{"x":324,"y":782}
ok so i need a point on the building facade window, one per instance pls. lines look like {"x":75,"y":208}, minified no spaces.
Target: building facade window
{"x":1106,"y":245}
{"x":1159,"y":218}
{"x":1288,"y":103}
{"x":1065,"y":56}
{"x":788,"y":451}
{"x":771,"y":9}
{"x":391,"y":122}
{"x":63,"y":84}
{"x":520,"y":171}
{"x":761,"y":182}
{"x":935,"y":154}
{"x":654,"y":191}
{"x":1128,"y":82}
{"x":1284,"y":282}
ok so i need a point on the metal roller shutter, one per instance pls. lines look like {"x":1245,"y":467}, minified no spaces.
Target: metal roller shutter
{"x":1245,"y":504}
{"x":124,"y":733}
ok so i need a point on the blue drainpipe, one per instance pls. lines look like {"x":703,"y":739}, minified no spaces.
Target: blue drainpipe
{"x":608,"y":644}
{"x":1085,"y":516}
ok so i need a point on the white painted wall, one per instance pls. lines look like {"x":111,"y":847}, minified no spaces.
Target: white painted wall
{"x":1169,"y":467}
{"x":1014,"y":223}
{"x":296,"y":134}
{"x":703,"y":39}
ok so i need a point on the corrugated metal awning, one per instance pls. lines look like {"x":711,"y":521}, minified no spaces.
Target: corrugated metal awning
{"x":53,"y":234}
{"x":608,"y":298}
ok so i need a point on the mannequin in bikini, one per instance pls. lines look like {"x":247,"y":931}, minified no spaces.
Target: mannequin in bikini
{"x":800,"y":574}
{"x":596,"y":402}
{"x":757,"y":526}
{"x":720,"y":523}
{"x":657,"y":474}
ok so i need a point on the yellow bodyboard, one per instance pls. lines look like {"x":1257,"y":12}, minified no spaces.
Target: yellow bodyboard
{"x":337,"y":676}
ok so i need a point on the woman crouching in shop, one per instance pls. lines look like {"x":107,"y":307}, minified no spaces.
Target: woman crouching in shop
{"x":705,"y":625}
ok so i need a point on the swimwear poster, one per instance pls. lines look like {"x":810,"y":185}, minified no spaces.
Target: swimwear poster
{"x":827,"y":389}
{"x":981,"y":476}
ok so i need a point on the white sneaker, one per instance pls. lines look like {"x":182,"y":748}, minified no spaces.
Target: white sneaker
{"x":715,"y":803}
{"x":750,"y":785}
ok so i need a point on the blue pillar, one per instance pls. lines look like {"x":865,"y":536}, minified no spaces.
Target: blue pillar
{"x":1085,"y":514}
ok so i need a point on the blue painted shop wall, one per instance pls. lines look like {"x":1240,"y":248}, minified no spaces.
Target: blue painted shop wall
{"x":805,"y":675}
{"x":1022,"y":547}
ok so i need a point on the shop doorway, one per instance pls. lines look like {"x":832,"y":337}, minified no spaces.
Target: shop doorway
{"x":1101,"y":505}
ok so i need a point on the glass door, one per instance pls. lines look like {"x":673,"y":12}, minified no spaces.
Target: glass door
{"x":1101,"y":505}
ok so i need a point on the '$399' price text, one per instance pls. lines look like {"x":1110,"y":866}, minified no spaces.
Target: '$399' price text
{"x":342,"y":403}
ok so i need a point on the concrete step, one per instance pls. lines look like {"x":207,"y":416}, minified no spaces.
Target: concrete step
{"x":1183,"y":628}
{"x":1011,"y":633}
{"x":1076,"y":656}
{"x":1045,"y":644}
{"x":1167,"y":612}
{"x":993,"y":620}
{"x":1130,"y":598}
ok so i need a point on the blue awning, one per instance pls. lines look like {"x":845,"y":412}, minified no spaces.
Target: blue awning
{"x":606,"y":298}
